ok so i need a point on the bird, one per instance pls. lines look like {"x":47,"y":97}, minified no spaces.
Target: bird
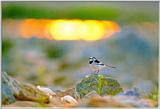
{"x":97,"y":65}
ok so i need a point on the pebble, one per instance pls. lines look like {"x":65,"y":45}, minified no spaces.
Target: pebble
{"x":69,"y":99}
{"x":46,"y":90}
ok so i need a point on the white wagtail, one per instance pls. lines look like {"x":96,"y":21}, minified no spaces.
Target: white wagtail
{"x":97,"y":65}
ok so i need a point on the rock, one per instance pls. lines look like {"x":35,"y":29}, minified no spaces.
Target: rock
{"x":131,"y":92}
{"x":91,"y":94}
{"x":46,"y":90}
{"x":69,"y":99}
{"x":31,"y":93}
{"x":102,"y":84}
{"x":135,"y":101}
{"x":119,"y":101}
{"x":62,"y":93}
{"x":20,"y":91}
{"x":105,"y":102}
{"x":7,"y":92}
{"x":24,"y":104}
{"x":55,"y":102}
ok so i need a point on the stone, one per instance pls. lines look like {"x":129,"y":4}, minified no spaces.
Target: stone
{"x":31,"y":93}
{"x":69,"y":91}
{"x":105,"y":101}
{"x":24,"y":104}
{"x":102,"y":84}
{"x":13,"y":90}
{"x":69,"y":99}
{"x":91,"y":94}
{"x":118,"y":101}
{"x":131,"y":92}
{"x":7,"y":92}
{"x":47,"y":91}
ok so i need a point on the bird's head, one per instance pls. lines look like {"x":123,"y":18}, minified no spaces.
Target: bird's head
{"x":92,"y":58}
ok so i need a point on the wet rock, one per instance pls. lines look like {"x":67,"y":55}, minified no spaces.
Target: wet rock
{"x":102,"y":84}
{"x":20,"y":91}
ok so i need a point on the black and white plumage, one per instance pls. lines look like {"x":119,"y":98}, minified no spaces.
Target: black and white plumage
{"x":97,"y":65}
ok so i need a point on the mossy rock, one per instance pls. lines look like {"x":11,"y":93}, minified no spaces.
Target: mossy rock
{"x":13,"y":90}
{"x":102,"y":84}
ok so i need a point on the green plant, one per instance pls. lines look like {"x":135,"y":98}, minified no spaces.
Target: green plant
{"x":99,"y":84}
{"x":6,"y":46}
{"x":54,"y":51}
{"x":154,"y":93}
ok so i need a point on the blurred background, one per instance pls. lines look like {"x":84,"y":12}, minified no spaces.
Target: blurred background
{"x":49,"y":43}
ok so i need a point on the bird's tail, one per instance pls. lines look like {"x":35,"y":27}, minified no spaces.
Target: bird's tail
{"x":110,"y":66}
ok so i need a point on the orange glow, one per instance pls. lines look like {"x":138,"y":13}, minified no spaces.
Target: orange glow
{"x":89,"y":30}
{"x":34,"y":28}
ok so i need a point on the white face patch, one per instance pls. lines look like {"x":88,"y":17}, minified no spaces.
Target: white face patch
{"x":92,"y":58}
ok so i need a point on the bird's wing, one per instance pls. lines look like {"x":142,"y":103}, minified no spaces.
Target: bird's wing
{"x":99,"y":64}
{"x":90,"y":62}
{"x":96,"y":61}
